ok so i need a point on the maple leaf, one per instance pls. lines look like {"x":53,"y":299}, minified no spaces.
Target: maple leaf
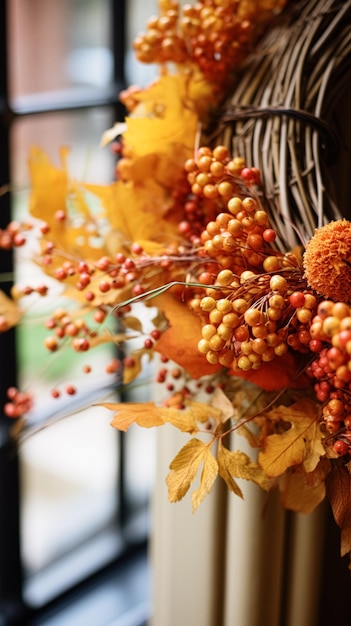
{"x":301,"y":443}
{"x":161,"y":119}
{"x":338,"y":484}
{"x":140,"y":211}
{"x":239,"y":465}
{"x":184,"y":468}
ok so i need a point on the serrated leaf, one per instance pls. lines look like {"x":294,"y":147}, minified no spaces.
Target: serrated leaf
{"x":224,"y":470}
{"x":184,"y":468}
{"x":208,"y":476}
{"x":128,"y":413}
{"x":301,"y":443}
{"x":239,"y":465}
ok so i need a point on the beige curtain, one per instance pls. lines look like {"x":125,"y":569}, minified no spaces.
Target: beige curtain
{"x":234,"y":562}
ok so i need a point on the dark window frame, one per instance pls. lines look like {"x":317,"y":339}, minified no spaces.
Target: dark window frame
{"x":13,"y":609}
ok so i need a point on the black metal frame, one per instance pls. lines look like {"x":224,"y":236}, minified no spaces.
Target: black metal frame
{"x":12,"y":607}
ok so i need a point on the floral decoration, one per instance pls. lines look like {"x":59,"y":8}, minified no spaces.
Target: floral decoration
{"x":252,"y":334}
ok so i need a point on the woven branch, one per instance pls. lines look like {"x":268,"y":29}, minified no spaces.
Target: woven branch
{"x":280,"y":116}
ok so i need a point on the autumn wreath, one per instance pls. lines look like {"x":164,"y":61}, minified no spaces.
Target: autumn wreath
{"x":223,"y":218}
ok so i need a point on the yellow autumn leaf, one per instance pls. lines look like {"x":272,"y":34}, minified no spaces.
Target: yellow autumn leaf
{"x":297,"y":494}
{"x":133,"y":366}
{"x":301,"y":443}
{"x":146,"y":414}
{"x":164,"y":118}
{"x":208,"y":476}
{"x":49,"y":185}
{"x":239,"y":465}
{"x":184,"y":468}
{"x":188,"y":419}
{"x":136,"y":212}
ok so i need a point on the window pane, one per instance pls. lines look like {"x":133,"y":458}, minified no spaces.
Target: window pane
{"x":55,"y":44}
{"x":69,"y":469}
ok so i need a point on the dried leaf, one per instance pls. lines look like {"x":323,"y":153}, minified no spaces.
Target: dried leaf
{"x":298,"y":494}
{"x":239,"y":465}
{"x":128,"y":413}
{"x":130,"y":321}
{"x":184,"y":468}
{"x":221,"y":402}
{"x":179,"y":341}
{"x":132,"y":367}
{"x":338,"y":485}
{"x":280,"y":373}
{"x":301,"y":443}
{"x":208,"y":476}
{"x":162,"y":120}
{"x":188,"y":419}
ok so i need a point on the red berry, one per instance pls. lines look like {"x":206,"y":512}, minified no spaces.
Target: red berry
{"x":71,"y":390}
{"x":269,"y":235}
{"x":104,"y":286}
{"x":297,"y":299}
{"x":341,"y":447}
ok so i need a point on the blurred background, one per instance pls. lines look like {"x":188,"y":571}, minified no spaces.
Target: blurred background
{"x":75,"y":499}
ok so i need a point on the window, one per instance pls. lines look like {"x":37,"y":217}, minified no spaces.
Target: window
{"x":72,"y":508}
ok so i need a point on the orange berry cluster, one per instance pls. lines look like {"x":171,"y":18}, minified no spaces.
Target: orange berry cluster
{"x":216,"y":35}
{"x":251,"y":320}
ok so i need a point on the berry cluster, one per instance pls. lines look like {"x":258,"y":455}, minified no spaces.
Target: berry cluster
{"x":330,"y":331}
{"x":13,"y":236}
{"x":215,"y":35}
{"x":18,"y":403}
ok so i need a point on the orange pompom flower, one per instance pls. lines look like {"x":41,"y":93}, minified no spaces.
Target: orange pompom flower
{"x":327,"y":261}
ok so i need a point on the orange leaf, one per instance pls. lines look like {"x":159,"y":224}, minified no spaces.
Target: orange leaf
{"x":280,"y":373}
{"x":128,"y":413}
{"x":179,"y":341}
